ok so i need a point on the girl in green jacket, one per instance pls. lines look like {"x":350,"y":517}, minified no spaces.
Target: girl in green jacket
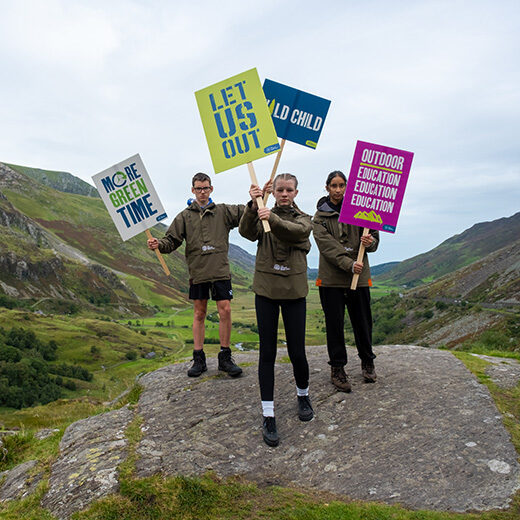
{"x":339,"y":245}
{"x":280,"y":283}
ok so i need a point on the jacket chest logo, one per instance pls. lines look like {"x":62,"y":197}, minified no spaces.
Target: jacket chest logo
{"x":207,"y":248}
{"x":278,"y":267}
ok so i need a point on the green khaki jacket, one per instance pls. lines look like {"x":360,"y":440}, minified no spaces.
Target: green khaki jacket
{"x":281,"y":257}
{"x":339,"y":246}
{"x":206,"y":232}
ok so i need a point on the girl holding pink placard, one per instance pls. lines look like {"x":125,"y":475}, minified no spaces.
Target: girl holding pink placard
{"x":339,"y":245}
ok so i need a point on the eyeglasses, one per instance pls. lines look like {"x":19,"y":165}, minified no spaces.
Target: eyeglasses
{"x":203,"y":189}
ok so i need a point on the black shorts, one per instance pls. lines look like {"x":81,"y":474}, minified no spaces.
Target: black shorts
{"x":220,"y":290}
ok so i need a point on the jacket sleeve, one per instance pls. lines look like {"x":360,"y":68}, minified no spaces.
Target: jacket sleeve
{"x":373,"y":247}
{"x":234,"y":213}
{"x":329,"y":247}
{"x":174,"y":236}
{"x":249,"y":224}
{"x":291,"y":232}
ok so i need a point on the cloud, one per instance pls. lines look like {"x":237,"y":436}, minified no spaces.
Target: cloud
{"x":54,"y":34}
{"x":89,"y":83}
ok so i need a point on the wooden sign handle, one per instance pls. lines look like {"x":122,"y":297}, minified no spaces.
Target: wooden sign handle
{"x":159,"y":256}
{"x":259,"y":200}
{"x":275,"y":167}
{"x":360,"y":256}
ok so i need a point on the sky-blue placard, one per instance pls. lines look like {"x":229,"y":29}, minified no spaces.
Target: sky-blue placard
{"x":297,"y":115}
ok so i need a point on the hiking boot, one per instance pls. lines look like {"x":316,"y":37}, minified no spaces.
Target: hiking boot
{"x":227,"y":364}
{"x":369,"y":372}
{"x":269,"y":432}
{"x":339,"y":379}
{"x":305,"y":411}
{"x":199,"y":364}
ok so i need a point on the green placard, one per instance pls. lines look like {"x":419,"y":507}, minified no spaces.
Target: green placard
{"x":236,"y":121}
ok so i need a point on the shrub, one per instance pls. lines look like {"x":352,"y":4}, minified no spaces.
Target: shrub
{"x":22,"y":338}
{"x":74,"y":371}
{"x":70,"y":385}
{"x":10,"y":354}
{"x":7,"y":302}
{"x":213,"y":317}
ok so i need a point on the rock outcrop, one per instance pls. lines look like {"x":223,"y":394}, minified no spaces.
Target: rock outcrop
{"x":427,"y":435}
{"x":20,"y":481}
{"x":90,"y":453}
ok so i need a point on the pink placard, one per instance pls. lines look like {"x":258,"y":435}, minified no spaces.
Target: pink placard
{"x":375,"y":187}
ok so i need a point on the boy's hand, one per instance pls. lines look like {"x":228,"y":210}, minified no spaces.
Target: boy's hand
{"x":152,"y":243}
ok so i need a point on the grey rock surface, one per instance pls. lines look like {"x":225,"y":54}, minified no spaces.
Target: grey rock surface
{"x":19,"y":482}
{"x":462,"y":327}
{"x":90,"y":452}
{"x":426,"y":435}
{"x":46,"y":432}
{"x":504,"y":372}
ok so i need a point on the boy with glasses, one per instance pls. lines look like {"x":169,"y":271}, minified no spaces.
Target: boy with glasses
{"x":205,"y":227}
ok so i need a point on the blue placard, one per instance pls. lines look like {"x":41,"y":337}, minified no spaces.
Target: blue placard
{"x":297,"y":115}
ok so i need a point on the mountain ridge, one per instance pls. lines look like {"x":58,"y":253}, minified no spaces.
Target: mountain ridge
{"x":59,"y":180}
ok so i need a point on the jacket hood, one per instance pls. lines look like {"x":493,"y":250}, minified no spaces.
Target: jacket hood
{"x":324,"y":205}
{"x":190,"y":202}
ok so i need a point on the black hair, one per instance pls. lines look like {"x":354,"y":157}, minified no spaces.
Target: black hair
{"x":335,"y":173}
{"x":286,"y":177}
{"x":201,"y":177}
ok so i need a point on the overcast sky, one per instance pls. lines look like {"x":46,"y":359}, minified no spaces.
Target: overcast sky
{"x":86,"y":84}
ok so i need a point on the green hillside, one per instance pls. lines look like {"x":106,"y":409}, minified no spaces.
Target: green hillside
{"x":103,"y":305}
{"x":112,"y":352}
{"x":456,"y":252}
{"x":69,"y":249}
{"x":476,"y":307}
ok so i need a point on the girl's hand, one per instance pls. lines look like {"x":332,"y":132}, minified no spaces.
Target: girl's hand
{"x":268,"y":187}
{"x":263,"y":213}
{"x":367,"y":240}
{"x":358,"y":267}
{"x":254,"y":193}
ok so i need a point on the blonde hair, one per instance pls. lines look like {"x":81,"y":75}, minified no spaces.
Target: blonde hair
{"x":285,"y":177}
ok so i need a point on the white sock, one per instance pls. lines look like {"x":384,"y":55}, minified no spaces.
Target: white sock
{"x":300,"y":392}
{"x":268,"y":408}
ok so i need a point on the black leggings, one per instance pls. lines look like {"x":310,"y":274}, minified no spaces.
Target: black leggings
{"x":293,"y":314}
